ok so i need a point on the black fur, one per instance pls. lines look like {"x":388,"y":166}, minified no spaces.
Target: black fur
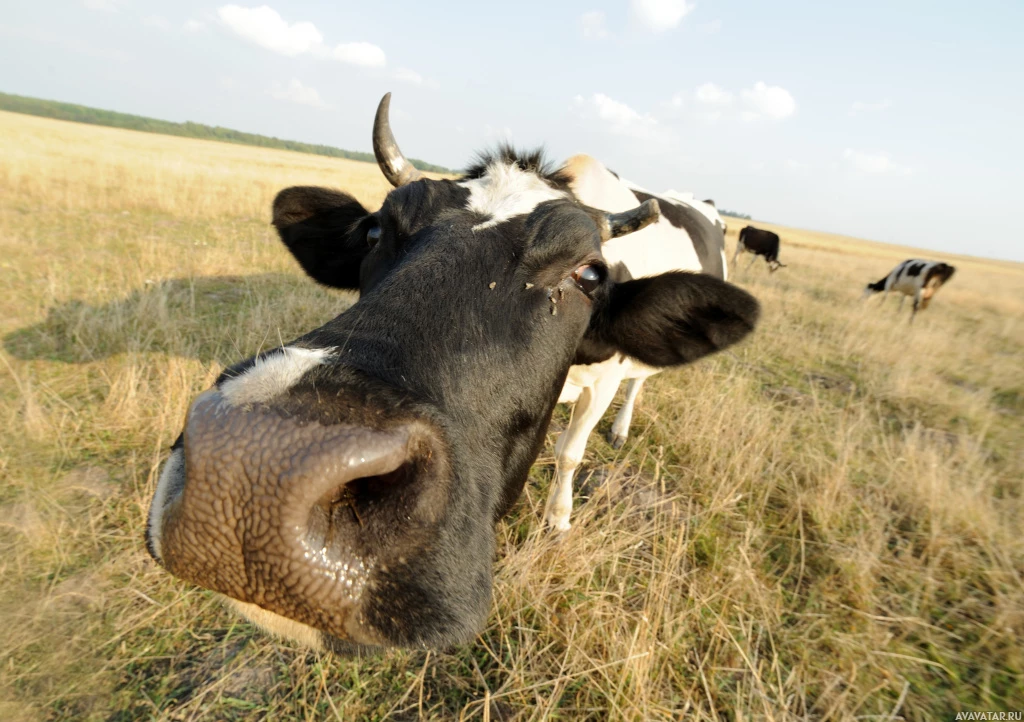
{"x":697,"y":315}
{"x":315,"y":224}
{"x":761,"y":242}
{"x":942,"y":271}
{"x":527,"y":161}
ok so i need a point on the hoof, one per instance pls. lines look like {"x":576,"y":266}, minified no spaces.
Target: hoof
{"x":557,"y":524}
{"x":616,"y":440}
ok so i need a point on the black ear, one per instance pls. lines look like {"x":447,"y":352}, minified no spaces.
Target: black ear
{"x":321,"y":229}
{"x":674,"y":318}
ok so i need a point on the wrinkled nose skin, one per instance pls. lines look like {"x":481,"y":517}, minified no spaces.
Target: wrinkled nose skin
{"x":321,"y":524}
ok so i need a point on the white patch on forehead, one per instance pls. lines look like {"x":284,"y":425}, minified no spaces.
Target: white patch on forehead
{"x":505,"y":191}
{"x":174,"y":469}
{"x":278,"y":625}
{"x":272,"y":375}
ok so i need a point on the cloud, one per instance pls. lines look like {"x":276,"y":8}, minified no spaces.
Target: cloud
{"x":660,"y":15}
{"x":874,"y":163}
{"x":593,"y":24}
{"x":366,"y":55}
{"x":408,"y":76}
{"x":296,"y":92}
{"x":265,"y":27}
{"x":861,"y":107}
{"x":194,"y":26}
{"x":618,"y":117}
{"x":711,"y":94}
{"x":767,"y":101}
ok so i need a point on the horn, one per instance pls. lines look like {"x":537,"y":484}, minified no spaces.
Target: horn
{"x":395,"y":166}
{"x":619,"y":224}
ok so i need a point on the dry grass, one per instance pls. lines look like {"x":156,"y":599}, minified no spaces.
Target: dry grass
{"x":824,"y":524}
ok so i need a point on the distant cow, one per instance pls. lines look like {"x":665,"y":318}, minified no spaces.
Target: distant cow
{"x":920,"y":279}
{"x":760,"y":243}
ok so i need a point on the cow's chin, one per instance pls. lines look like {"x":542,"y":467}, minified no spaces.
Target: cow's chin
{"x":302,"y":634}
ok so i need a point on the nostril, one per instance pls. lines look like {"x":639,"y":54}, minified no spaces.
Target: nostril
{"x":364,"y":510}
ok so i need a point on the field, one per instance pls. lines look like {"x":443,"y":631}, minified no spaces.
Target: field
{"x":824,"y":523}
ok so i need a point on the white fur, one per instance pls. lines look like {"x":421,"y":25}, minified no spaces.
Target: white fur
{"x":272,"y":375}
{"x":505,"y":191}
{"x":908,"y":285}
{"x":173,"y":467}
{"x":281,"y":626}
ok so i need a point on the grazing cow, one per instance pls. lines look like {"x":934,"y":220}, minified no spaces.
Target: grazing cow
{"x":920,"y":279}
{"x":760,"y":243}
{"x":683,"y":238}
{"x":343,"y":489}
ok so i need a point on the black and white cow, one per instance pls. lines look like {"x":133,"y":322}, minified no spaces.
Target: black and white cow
{"x":760,"y":243}
{"x":343,"y":489}
{"x":913,"y":277}
{"x":683,"y":238}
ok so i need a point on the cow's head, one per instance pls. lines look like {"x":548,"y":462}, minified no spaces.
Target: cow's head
{"x":343,"y":489}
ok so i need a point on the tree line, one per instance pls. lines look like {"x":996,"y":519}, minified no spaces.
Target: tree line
{"x":188,"y":129}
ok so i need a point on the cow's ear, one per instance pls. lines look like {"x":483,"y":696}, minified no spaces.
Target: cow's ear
{"x":674,"y":318}
{"x":323,"y":230}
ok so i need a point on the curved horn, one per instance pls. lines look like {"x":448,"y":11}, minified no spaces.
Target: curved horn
{"x":619,"y":224}
{"x":395,"y":166}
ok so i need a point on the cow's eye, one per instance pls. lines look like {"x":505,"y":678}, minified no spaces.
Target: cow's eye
{"x":588,"y":278}
{"x":373,"y":235}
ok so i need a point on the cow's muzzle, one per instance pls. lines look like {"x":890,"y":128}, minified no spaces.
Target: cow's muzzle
{"x":291,"y":515}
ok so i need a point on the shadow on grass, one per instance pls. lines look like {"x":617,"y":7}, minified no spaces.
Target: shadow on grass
{"x":213,"y":318}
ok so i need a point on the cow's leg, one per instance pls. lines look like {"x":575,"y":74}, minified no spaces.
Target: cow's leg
{"x":736,"y":255}
{"x":620,"y":427}
{"x":571,"y":445}
{"x":917,"y":302}
{"x":903,"y":298}
{"x":753,"y":258}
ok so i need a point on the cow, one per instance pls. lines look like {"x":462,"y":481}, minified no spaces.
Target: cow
{"x":913,"y":277}
{"x":683,"y":238}
{"x":342,"y":490}
{"x":760,"y":243}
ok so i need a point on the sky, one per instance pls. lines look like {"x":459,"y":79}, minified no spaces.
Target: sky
{"x":898,"y":121}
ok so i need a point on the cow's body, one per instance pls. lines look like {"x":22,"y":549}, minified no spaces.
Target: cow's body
{"x":913,"y":277}
{"x":759,"y":242}
{"x":707,"y":207}
{"x":343,"y":489}
{"x":683,"y":238}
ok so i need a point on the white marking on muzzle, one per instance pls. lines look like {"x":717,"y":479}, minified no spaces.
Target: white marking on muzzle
{"x":506,"y":191}
{"x":174,"y":469}
{"x":272,"y":375}
{"x":280,"y":626}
